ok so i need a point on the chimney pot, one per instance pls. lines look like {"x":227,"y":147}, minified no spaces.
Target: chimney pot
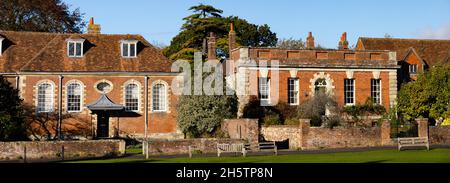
{"x":310,"y":41}
{"x":93,"y":28}
{"x":231,"y":39}
{"x":343,"y":43}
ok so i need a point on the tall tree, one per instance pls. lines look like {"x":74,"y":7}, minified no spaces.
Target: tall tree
{"x":12,"y":120}
{"x":428,"y":96}
{"x":40,"y":15}
{"x":205,"y":19}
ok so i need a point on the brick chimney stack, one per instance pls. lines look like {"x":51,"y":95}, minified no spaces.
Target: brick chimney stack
{"x":212,"y":46}
{"x":310,"y":41}
{"x":343,"y":43}
{"x":231,"y":38}
{"x":93,"y":28}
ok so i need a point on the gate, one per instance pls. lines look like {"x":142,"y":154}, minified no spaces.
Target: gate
{"x":405,"y":129}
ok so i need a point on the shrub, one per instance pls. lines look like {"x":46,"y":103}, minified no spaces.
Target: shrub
{"x":316,"y":121}
{"x":202,"y":115}
{"x":272,"y":119}
{"x":332,"y":121}
{"x":292,"y":121}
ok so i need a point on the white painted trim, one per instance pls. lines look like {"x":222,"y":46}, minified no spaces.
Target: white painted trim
{"x":52,"y":84}
{"x":106,"y":81}
{"x":124,"y":98}
{"x":297,"y":81}
{"x":128,"y":43}
{"x":1,"y":46}
{"x":166,"y":95}
{"x":354,"y":93}
{"x":75,"y":48}
{"x":81,"y":95}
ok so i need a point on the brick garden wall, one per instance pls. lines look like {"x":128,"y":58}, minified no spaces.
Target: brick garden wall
{"x":439,"y":134}
{"x":53,"y":149}
{"x":246,"y":129}
{"x":171,"y":147}
{"x":306,"y":137}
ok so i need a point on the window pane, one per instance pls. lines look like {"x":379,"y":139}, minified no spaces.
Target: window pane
{"x":264,"y":88}
{"x":159,"y":97}
{"x":349,"y":91}
{"x":78,"y":49}
{"x":74,"y":91}
{"x":45,"y":98}
{"x":125,"y":49}
{"x":293,"y":91}
{"x":132,"y":97}
{"x":132,"y":50}
{"x":71,"y":49}
{"x":376,"y":90}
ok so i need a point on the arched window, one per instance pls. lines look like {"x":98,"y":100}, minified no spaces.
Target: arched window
{"x":320,"y":85}
{"x":45,"y":97}
{"x":159,"y":97}
{"x":74,"y":94}
{"x":132,"y":97}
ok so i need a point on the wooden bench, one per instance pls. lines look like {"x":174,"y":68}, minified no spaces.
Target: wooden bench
{"x":268,"y":146}
{"x":193,"y":149}
{"x":413,"y":142}
{"x":236,"y":148}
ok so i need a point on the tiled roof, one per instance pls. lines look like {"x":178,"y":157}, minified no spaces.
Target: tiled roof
{"x":431,"y":51}
{"x":47,"y":52}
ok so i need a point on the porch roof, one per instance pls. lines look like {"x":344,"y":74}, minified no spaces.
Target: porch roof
{"x":104,"y":104}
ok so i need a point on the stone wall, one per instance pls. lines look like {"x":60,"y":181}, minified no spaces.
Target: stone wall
{"x":246,"y":129}
{"x":53,"y":149}
{"x":319,"y":138}
{"x":282,"y":133}
{"x":306,"y":137}
{"x":439,"y":134}
{"x":171,"y":147}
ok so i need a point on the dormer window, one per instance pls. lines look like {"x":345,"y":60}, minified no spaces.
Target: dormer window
{"x":129,"y":48}
{"x":75,"y":48}
{"x":1,"y":46}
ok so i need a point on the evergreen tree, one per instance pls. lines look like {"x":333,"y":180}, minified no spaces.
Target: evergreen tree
{"x":12,"y":121}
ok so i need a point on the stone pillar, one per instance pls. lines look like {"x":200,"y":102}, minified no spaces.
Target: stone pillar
{"x":386,"y":133}
{"x":422,"y":127}
{"x":304,"y":126}
{"x":392,"y":89}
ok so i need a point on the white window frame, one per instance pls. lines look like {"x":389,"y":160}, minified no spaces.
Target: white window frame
{"x":295,"y":91}
{"x":50,"y":103}
{"x":165,"y":97}
{"x":128,"y":43}
{"x":353,"y":90}
{"x":372,"y":91}
{"x":413,"y":68}
{"x":1,"y":46}
{"x":260,"y":89}
{"x":138,"y":87}
{"x":75,"y":42}
{"x":81,"y":97}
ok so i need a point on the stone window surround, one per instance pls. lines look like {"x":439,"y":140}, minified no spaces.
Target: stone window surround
{"x":166,"y":87}
{"x":53,"y":94}
{"x":140,"y":92}
{"x":66,"y":94}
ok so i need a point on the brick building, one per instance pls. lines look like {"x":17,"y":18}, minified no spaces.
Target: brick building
{"x":413,"y":55}
{"x":351,"y":76}
{"x":108,"y":85}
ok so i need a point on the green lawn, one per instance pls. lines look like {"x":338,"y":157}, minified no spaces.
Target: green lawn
{"x":379,"y":156}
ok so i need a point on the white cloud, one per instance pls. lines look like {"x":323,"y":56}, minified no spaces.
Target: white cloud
{"x":442,"y":32}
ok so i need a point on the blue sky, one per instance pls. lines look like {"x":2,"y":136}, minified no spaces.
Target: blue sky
{"x":159,"y":21}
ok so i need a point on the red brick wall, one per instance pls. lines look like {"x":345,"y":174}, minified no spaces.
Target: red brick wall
{"x":161,"y":122}
{"x":53,"y":149}
{"x":362,"y":85}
